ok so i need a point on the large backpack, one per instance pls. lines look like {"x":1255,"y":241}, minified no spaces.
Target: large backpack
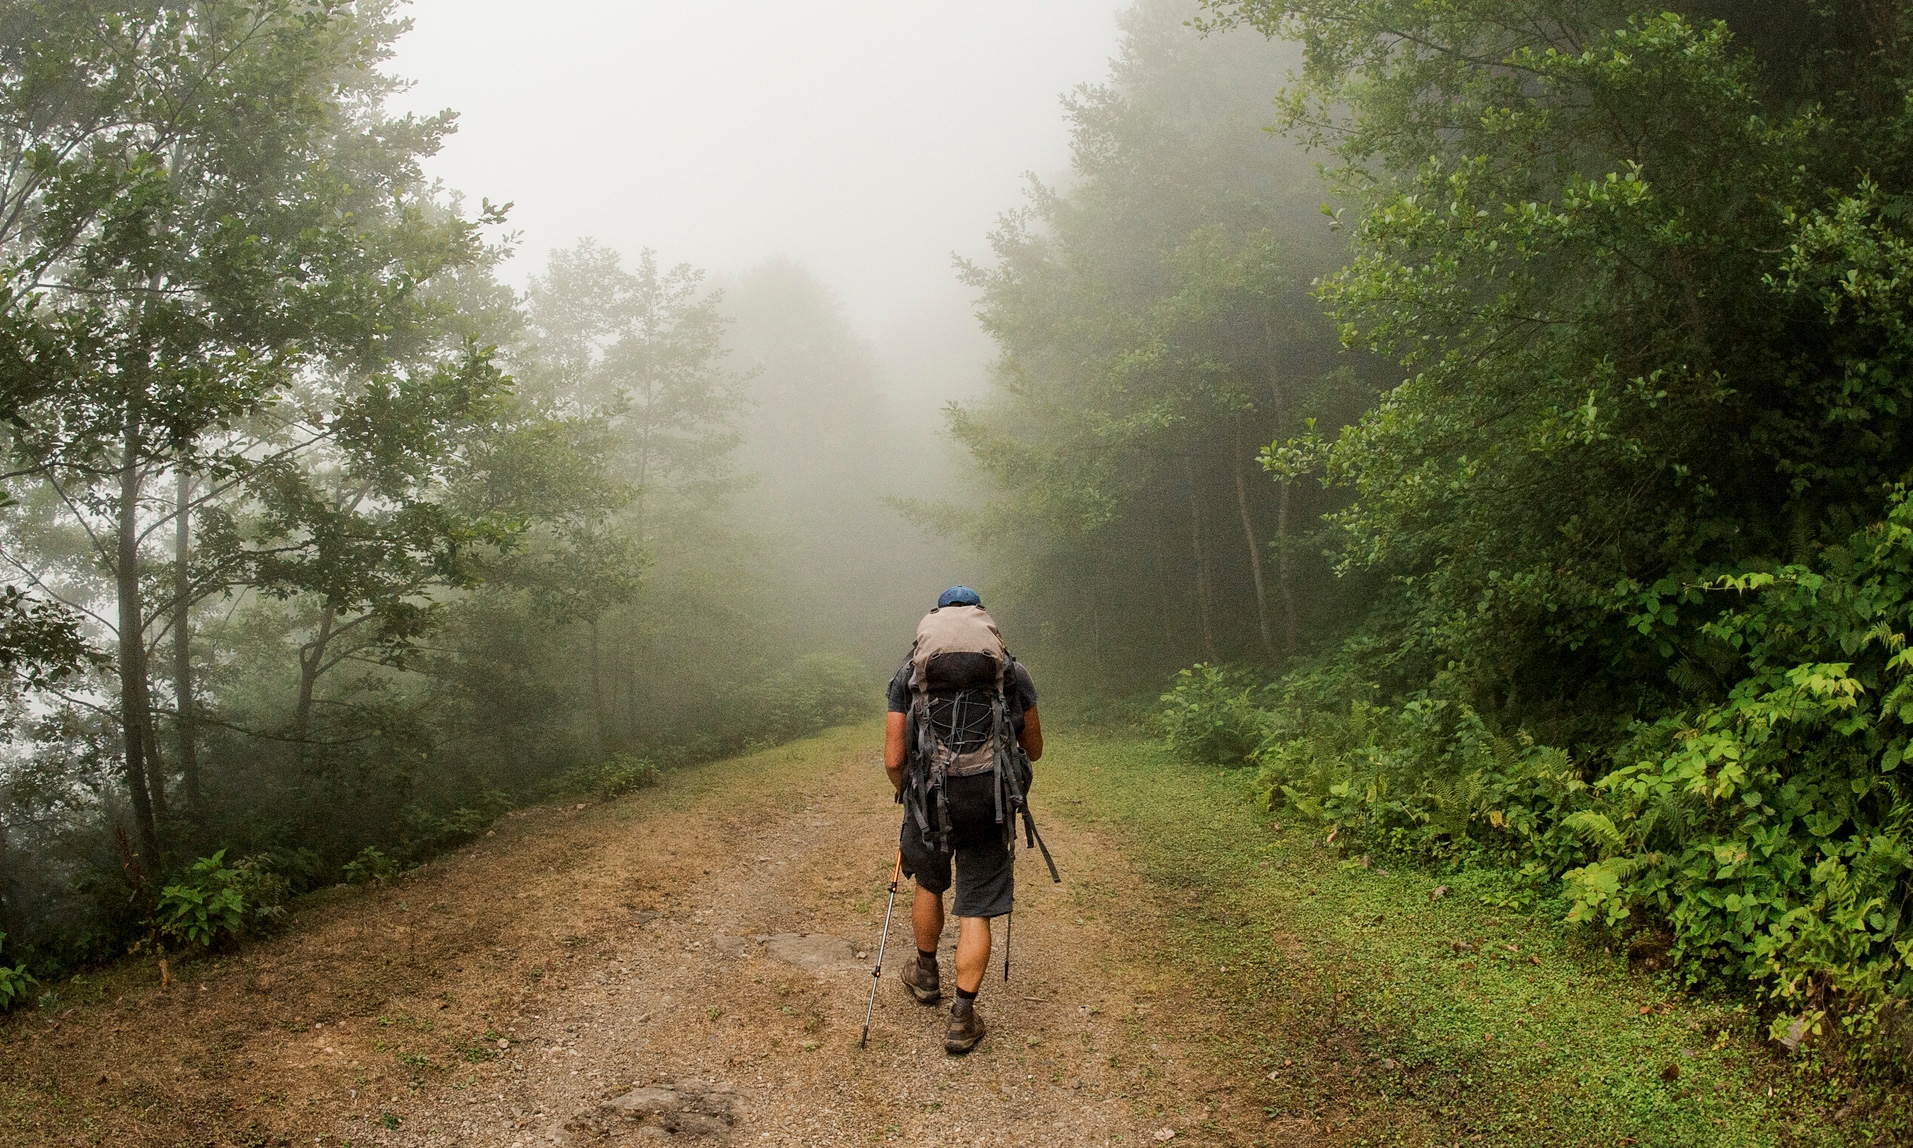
{"x":960,"y":675}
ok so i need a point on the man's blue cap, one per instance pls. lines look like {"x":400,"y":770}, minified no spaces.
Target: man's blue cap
{"x":959,"y":596}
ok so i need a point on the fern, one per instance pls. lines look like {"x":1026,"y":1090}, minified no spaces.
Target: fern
{"x":1596,"y":829}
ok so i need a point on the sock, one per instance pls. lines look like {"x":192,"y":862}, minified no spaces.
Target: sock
{"x":929,"y":958}
{"x":969,"y":996}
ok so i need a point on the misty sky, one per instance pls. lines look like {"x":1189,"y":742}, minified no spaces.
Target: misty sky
{"x":865,"y":138}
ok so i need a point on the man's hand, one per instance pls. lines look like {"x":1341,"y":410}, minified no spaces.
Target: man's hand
{"x":893,"y":749}
{"x":1031,"y":739}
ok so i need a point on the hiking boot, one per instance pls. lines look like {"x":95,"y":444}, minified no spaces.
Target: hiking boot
{"x":966,"y":1028}
{"x":921,"y":978}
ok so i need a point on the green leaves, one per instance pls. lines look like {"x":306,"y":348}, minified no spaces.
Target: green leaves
{"x":1213,"y":715}
{"x":16,"y":984}
{"x":218,"y":903}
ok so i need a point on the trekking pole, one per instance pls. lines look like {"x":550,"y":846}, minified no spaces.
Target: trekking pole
{"x":1009,"y":924}
{"x":876,"y":974}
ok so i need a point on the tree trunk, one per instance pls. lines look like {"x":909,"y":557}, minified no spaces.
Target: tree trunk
{"x":1255,"y":558}
{"x":155,"y":763}
{"x":6,"y":872}
{"x":1283,"y":588}
{"x":132,"y":651}
{"x":1163,"y":597}
{"x":311,"y":662}
{"x":183,"y":643}
{"x":1289,"y":622}
{"x":631,"y":699}
{"x":1202,"y":562}
{"x":597,"y":692}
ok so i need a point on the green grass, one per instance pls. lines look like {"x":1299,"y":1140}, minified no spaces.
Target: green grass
{"x":1534,"y":1036}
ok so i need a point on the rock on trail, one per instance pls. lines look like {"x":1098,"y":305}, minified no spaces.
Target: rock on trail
{"x":686,"y":1109}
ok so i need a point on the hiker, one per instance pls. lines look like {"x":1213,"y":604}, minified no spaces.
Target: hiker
{"x":960,"y":735}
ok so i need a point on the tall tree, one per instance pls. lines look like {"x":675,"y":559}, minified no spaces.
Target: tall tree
{"x":1156,"y":327}
{"x":643,"y":349}
{"x":1594,"y":235}
{"x":240,"y":214}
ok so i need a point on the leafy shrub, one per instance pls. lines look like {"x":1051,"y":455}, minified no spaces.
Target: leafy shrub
{"x":1770,"y":832}
{"x":815,"y":693}
{"x":1214,"y":715}
{"x":624,"y":773}
{"x":425,"y":833}
{"x":370,"y":867}
{"x":1773,"y":830}
{"x":16,"y":984}
{"x":218,"y":902}
{"x":1428,"y":778}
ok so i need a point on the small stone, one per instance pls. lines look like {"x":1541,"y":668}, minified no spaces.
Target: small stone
{"x":809,"y":950}
{"x":1439,"y":892}
{"x":1164,"y":1135}
{"x":1390,"y":1065}
{"x":1074,"y":1084}
{"x":1795,"y":1036}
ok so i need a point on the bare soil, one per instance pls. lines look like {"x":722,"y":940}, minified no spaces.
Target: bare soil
{"x":690,"y":963}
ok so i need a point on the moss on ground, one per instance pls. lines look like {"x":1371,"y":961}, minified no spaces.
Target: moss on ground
{"x":1371,"y":1011}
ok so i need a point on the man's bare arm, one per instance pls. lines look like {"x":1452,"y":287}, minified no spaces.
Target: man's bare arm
{"x":893,"y":749}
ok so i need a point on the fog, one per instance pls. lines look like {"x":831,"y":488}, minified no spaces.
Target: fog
{"x":865,"y":142}
{"x":865,"y":139}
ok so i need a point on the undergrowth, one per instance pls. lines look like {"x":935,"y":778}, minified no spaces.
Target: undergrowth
{"x":1765,"y":829}
{"x":1386,"y":1004}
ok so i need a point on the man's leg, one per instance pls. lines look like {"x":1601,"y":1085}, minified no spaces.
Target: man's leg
{"x":926,"y":917}
{"x":931,"y":871}
{"x":985,"y":886}
{"x":973,"y":952}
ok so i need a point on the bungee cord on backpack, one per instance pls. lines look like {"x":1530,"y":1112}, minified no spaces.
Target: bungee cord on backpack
{"x":959,"y":708}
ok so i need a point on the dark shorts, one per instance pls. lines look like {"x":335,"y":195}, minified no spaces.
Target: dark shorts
{"x":985,"y":876}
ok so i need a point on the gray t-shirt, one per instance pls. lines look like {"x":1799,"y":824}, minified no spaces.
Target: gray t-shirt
{"x":1020,"y":693}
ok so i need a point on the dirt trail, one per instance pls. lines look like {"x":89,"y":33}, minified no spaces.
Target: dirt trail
{"x":655,"y":969}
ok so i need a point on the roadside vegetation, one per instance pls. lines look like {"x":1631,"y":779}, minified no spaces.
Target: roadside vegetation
{"x":323,"y":547}
{"x":1373,"y":1002}
{"x":1585,"y":560}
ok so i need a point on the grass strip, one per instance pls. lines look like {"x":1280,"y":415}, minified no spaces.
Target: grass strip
{"x":1370,"y":1009}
